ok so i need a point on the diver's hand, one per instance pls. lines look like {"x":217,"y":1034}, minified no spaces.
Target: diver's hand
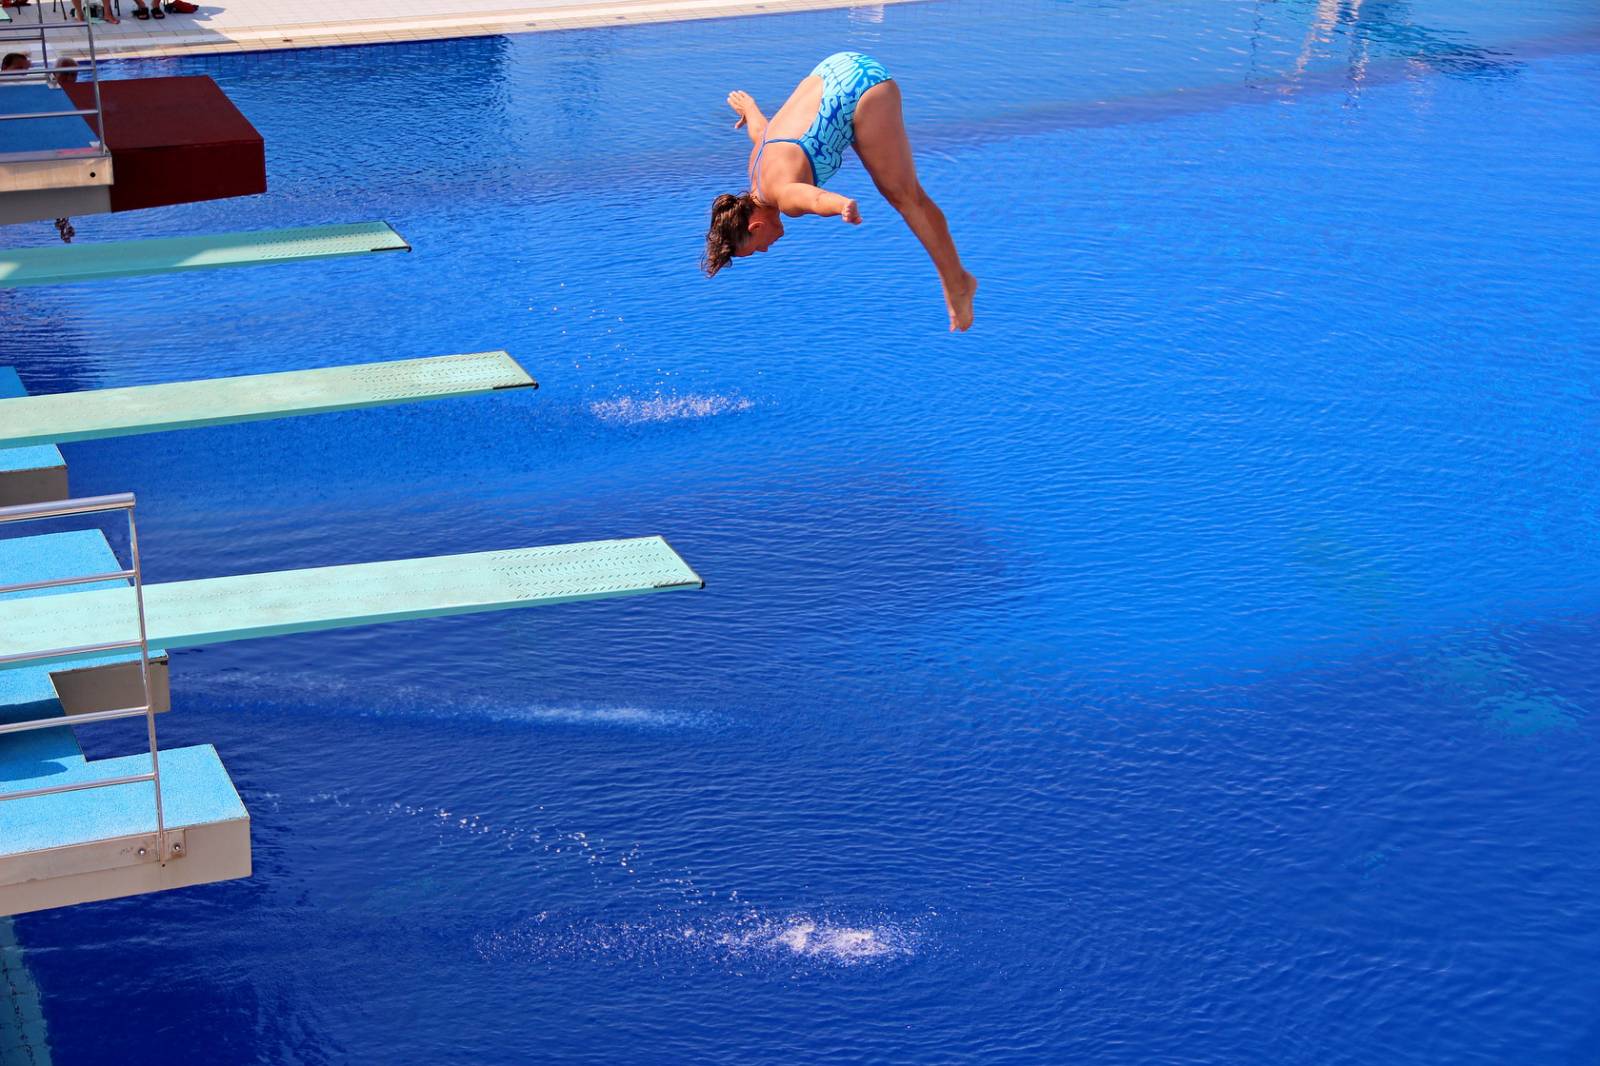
{"x":742,"y":103}
{"x":851,"y":213}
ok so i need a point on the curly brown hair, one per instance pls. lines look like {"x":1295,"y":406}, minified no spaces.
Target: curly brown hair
{"x":730,"y":221}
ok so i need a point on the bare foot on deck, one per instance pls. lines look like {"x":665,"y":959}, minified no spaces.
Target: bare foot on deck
{"x":958,"y":301}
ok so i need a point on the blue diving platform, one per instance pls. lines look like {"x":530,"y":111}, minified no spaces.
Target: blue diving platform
{"x":33,"y":421}
{"x":216,"y":610}
{"x":41,"y":137}
{"x":72,"y":847}
{"x":63,"y":264}
{"x":198,"y":793}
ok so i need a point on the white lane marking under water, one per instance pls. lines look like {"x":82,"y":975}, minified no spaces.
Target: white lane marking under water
{"x":364,"y":699}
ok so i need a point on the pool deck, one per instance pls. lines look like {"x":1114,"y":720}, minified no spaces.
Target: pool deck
{"x":266,"y":25}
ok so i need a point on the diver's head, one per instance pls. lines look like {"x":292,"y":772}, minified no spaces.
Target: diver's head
{"x":740,"y":226}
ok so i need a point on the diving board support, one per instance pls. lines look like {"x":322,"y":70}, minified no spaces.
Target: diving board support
{"x":77,"y":416}
{"x":92,"y":689}
{"x":216,"y":610}
{"x":64,"y":264}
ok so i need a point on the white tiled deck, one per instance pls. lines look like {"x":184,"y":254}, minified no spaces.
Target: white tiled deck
{"x":250,"y":25}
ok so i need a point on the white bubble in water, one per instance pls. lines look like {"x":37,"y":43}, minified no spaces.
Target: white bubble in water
{"x":627,"y":410}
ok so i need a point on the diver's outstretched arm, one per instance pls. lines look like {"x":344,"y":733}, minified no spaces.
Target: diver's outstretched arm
{"x":798,"y":198}
{"x":750,"y":116}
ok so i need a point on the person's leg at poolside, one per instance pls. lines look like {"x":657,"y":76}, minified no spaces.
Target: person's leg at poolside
{"x":882,"y":144}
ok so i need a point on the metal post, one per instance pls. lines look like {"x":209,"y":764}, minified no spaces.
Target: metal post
{"x":99,"y":108}
{"x":149,"y":695}
{"x":44,"y":46}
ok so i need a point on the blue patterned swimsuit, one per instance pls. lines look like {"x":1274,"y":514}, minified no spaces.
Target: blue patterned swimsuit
{"x":846,"y":76}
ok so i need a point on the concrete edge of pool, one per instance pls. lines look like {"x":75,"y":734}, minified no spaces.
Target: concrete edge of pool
{"x":257,"y":26}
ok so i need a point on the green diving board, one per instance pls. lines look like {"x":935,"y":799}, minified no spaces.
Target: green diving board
{"x":62,"y":264}
{"x":75,"y":416}
{"x":214,"y":610}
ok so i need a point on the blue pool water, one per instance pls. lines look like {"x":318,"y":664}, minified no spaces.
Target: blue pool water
{"x":1193,"y":664}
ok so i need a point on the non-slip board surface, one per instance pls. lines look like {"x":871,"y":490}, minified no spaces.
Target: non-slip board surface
{"x":214,"y":610}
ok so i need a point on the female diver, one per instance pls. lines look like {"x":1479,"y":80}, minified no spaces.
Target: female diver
{"x":849,"y":99}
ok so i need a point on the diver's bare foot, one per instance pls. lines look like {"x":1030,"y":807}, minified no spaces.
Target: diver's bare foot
{"x":958,"y":300}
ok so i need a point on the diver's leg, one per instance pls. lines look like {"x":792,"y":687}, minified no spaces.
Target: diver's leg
{"x":886,"y":151}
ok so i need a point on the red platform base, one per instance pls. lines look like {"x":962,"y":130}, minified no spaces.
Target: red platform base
{"x":175,"y":141}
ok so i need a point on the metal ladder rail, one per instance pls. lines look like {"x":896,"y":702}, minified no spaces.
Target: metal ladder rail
{"x":71,"y":509}
{"x":17,"y":31}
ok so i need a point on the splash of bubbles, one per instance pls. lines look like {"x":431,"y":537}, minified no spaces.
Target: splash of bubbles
{"x":844,"y":944}
{"x":672,"y":921}
{"x":629,"y":411}
{"x":738,"y":940}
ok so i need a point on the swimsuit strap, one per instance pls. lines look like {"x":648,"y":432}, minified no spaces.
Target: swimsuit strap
{"x":755,"y":169}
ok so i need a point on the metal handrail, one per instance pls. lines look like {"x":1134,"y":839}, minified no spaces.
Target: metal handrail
{"x":85,"y":718}
{"x":26,"y":512}
{"x":45,"y":114}
{"x":61,"y":582}
{"x":19,"y":30}
{"x":41,"y":72}
{"x":132,"y":779}
{"x":36,"y":512}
